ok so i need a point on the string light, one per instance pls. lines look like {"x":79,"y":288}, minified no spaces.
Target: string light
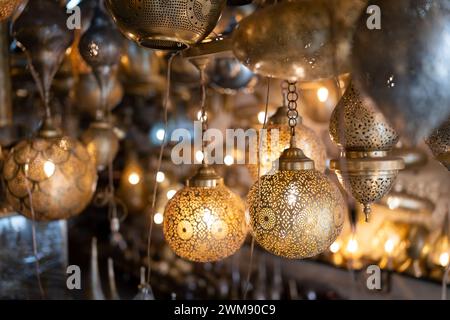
{"x":160,"y":134}
{"x":323,"y":94}
{"x":261,"y":117}
{"x":160,"y":177}
{"x":158,"y":218}
{"x":228,"y":160}
{"x":134,"y":178}
{"x":171,"y":193}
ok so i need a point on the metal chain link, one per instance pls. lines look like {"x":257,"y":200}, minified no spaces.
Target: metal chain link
{"x":292,"y":98}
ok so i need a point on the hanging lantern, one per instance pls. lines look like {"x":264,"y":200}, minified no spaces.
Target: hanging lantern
{"x":278,"y":139}
{"x":133,"y":190}
{"x":365,"y":170}
{"x":205,"y":221}
{"x":51,"y":174}
{"x":101,"y":142}
{"x":169,"y":25}
{"x":296,"y":212}
{"x":408,"y":82}
{"x":298,"y":40}
{"x":439,"y":143}
{"x":7,"y":8}
{"x":100,"y":47}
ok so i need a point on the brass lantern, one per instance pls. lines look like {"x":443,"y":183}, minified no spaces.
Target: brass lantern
{"x":365,"y":169}
{"x":205,"y":221}
{"x":295,"y":212}
{"x":49,"y":177}
{"x":168,"y":25}
{"x":7,"y":8}
{"x":439,"y":143}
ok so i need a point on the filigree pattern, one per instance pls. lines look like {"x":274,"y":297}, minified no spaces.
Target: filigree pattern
{"x":7,"y":8}
{"x":439,"y":143}
{"x":58,"y":172}
{"x":205,"y":223}
{"x":364,"y":129}
{"x":296,"y":214}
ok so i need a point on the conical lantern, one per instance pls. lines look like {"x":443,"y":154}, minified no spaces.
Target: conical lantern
{"x":167,"y":25}
{"x":298,"y":40}
{"x":278,"y":139}
{"x":365,"y":170}
{"x":439,"y":143}
{"x":205,"y":221}
{"x":296,"y":212}
{"x":51,"y":174}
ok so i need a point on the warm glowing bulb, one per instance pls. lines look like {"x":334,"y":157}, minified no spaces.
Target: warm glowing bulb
{"x":352,"y":245}
{"x":160,"y":177}
{"x":393,"y":203}
{"x":134,"y":178}
{"x":160,"y":134}
{"x":49,"y":168}
{"x":322,"y":94}
{"x":228,"y":160}
{"x":261,"y":117}
{"x":335,"y":246}
{"x":199,"y":116}
{"x":171,"y":193}
{"x":158,"y":218}
{"x":389,"y":246}
{"x":444,"y":259}
{"x":199,"y":156}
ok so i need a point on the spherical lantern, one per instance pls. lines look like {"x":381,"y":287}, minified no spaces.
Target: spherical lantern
{"x":296,"y":212}
{"x":205,"y":221}
{"x":365,"y":169}
{"x":101,"y":142}
{"x":168,"y":25}
{"x":439,"y":143}
{"x":409,"y":81}
{"x":52,"y":174}
{"x":298,"y":40}
{"x":278,"y":139}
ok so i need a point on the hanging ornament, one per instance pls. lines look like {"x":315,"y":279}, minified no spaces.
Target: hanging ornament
{"x":297,"y":212}
{"x":365,"y":170}
{"x":100,"y":47}
{"x":205,"y":221}
{"x":298,"y":40}
{"x":7,"y":8}
{"x":278,"y":139}
{"x":50,"y":176}
{"x":169,"y":25}
{"x":133,"y":190}
{"x":408,"y":82}
{"x":439,"y":143}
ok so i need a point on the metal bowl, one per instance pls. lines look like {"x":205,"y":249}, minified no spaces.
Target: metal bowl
{"x":166,"y":25}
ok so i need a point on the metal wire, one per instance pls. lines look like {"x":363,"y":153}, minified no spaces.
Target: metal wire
{"x":161,"y":151}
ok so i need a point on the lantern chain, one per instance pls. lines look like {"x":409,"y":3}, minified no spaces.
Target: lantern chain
{"x":292,"y":98}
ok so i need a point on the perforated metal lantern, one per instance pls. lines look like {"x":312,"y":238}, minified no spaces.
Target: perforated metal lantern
{"x":297,"y":212}
{"x":303,"y":40}
{"x":365,"y":169}
{"x":205,"y":221}
{"x":53,"y":174}
{"x":166,"y":25}
{"x":439,"y":143}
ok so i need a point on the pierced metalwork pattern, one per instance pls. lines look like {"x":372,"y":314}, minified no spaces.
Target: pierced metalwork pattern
{"x":58,"y":172}
{"x":169,"y":24}
{"x":439,"y":143}
{"x":205,"y":224}
{"x":368,"y":187}
{"x":299,"y":214}
{"x":364,"y":128}
{"x":305,"y":138}
{"x":7,"y":8}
